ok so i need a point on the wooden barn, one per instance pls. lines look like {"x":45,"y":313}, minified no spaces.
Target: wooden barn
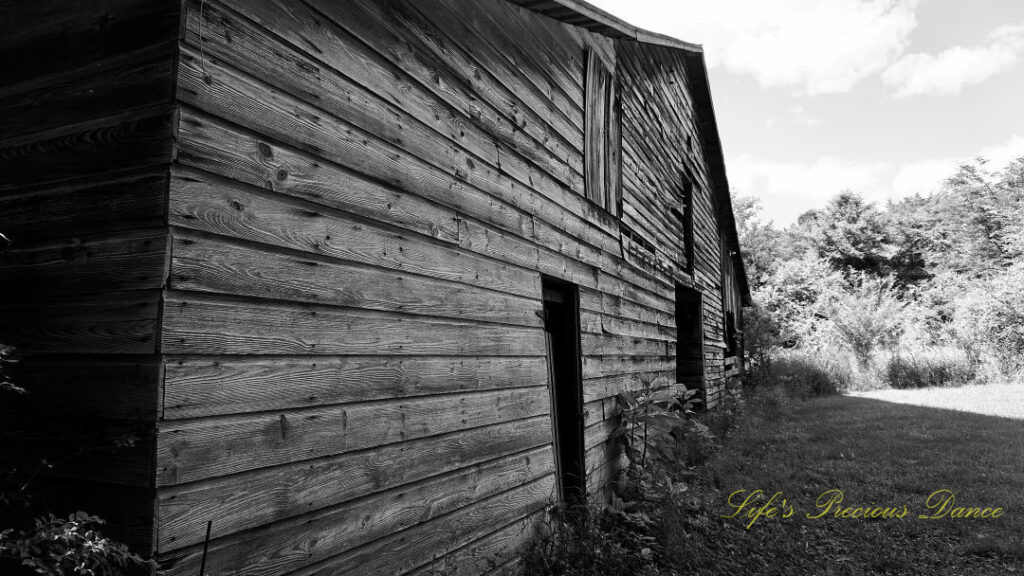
{"x":362,"y":277}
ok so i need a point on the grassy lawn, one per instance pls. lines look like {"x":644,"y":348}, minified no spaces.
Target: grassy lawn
{"x":884,"y":449}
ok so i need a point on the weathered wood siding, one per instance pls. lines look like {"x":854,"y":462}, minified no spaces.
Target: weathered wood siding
{"x":667,"y":185}
{"x":328,"y":304}
{"x":365,"y":199}
{"x":86,"y":124}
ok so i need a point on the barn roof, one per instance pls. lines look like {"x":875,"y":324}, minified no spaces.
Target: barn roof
{"x":585,"y":15}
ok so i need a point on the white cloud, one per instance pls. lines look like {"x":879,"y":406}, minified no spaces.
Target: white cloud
{"x":949,"y":71}
{"x":811,"y":46}
{"x":802,"y":117}
{"x":927,"y":176}
{"x":788,"y":189}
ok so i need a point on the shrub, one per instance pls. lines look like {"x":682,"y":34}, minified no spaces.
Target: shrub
{"x":598,"y":542}
{"x":991,"y":314}
{"x":939,"y":368}
{"x":868,"y":317}
{"x":807,"y":374}
{"x":72,"y":546}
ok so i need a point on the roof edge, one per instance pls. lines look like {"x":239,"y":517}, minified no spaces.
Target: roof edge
{"x":586,"y":15}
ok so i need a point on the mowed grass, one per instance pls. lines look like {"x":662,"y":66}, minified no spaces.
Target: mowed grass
{"x":879,"y":454}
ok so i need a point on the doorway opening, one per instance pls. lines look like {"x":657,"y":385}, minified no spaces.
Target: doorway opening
{"x":689,"y":339}
{"x":562,"y":331}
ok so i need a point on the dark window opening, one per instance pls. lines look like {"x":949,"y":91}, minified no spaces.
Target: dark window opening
{"x":641,"y":242}
{"x":562,"y":331}
{"x":689,"y":338}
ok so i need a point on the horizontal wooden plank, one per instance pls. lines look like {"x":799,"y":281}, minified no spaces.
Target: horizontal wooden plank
{"x":596,"y":323}
{"x":250,"y":102}
{"x":121,"y":261}
{"x":379,"y":99}
{"x":195,"y":323}
{"x":296,"y":542}
{"x":609,"y":386}
{"x":611,"y":345}
{"x":85,"y":207}
{"x":73,"y":98}
{"x":196,"y":449}
{"x":270,"y":494}
{"x":596,"y":366}
{"x":90,"y":387}
{"x":207,"y":263}
{"x":50,"y":36}
{"x":108,"y":145}
{"x":493,"y":550}
{"x":403,"y":551}
{"x":209,"y":204}
{"x":610,"y":305}
{"x":212,"y":145}
{"x":216,"y":386}
{"x":118,"y":323}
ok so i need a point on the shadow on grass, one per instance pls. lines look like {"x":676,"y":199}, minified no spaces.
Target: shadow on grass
{"x":879,"y":454}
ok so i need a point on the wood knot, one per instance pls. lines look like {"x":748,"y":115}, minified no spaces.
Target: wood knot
{"x":265,"y":150}
{"x":282,"y":175}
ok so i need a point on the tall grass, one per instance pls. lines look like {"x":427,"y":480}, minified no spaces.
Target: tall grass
{"x":937,"y":367}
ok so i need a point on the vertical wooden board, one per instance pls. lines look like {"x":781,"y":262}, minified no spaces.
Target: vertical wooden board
{"x":595,"y":127}
{"x":206,"y":448}
{"x":270,"y":494}
{"x":613,"y":193}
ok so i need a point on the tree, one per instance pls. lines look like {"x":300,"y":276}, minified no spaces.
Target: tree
{"x":759,"y":242}
{"x":849,"y":233}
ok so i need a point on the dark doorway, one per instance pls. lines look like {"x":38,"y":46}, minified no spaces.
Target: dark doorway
{"x":689,"y":338}
{"x":562,"y":328}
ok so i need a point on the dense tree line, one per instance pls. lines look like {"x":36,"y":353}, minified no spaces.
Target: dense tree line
{"x":929,"y":281}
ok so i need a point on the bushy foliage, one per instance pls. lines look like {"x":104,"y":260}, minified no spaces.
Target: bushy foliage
{"x":646,"y":525}
{"x":931,"y":368}
{"x":50,"y":545}
{"x":991,"y":314}
{"x":868,"y":316}
{"x":67,"y":546}
{"x":925,"y":274}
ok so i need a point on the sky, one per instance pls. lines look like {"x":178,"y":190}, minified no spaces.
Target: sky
{"x":882,"y":97}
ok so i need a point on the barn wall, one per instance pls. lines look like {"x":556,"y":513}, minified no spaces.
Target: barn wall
{"x":365,"y":198}
{"x":665,"y":175}
{"x":86,"y":115}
